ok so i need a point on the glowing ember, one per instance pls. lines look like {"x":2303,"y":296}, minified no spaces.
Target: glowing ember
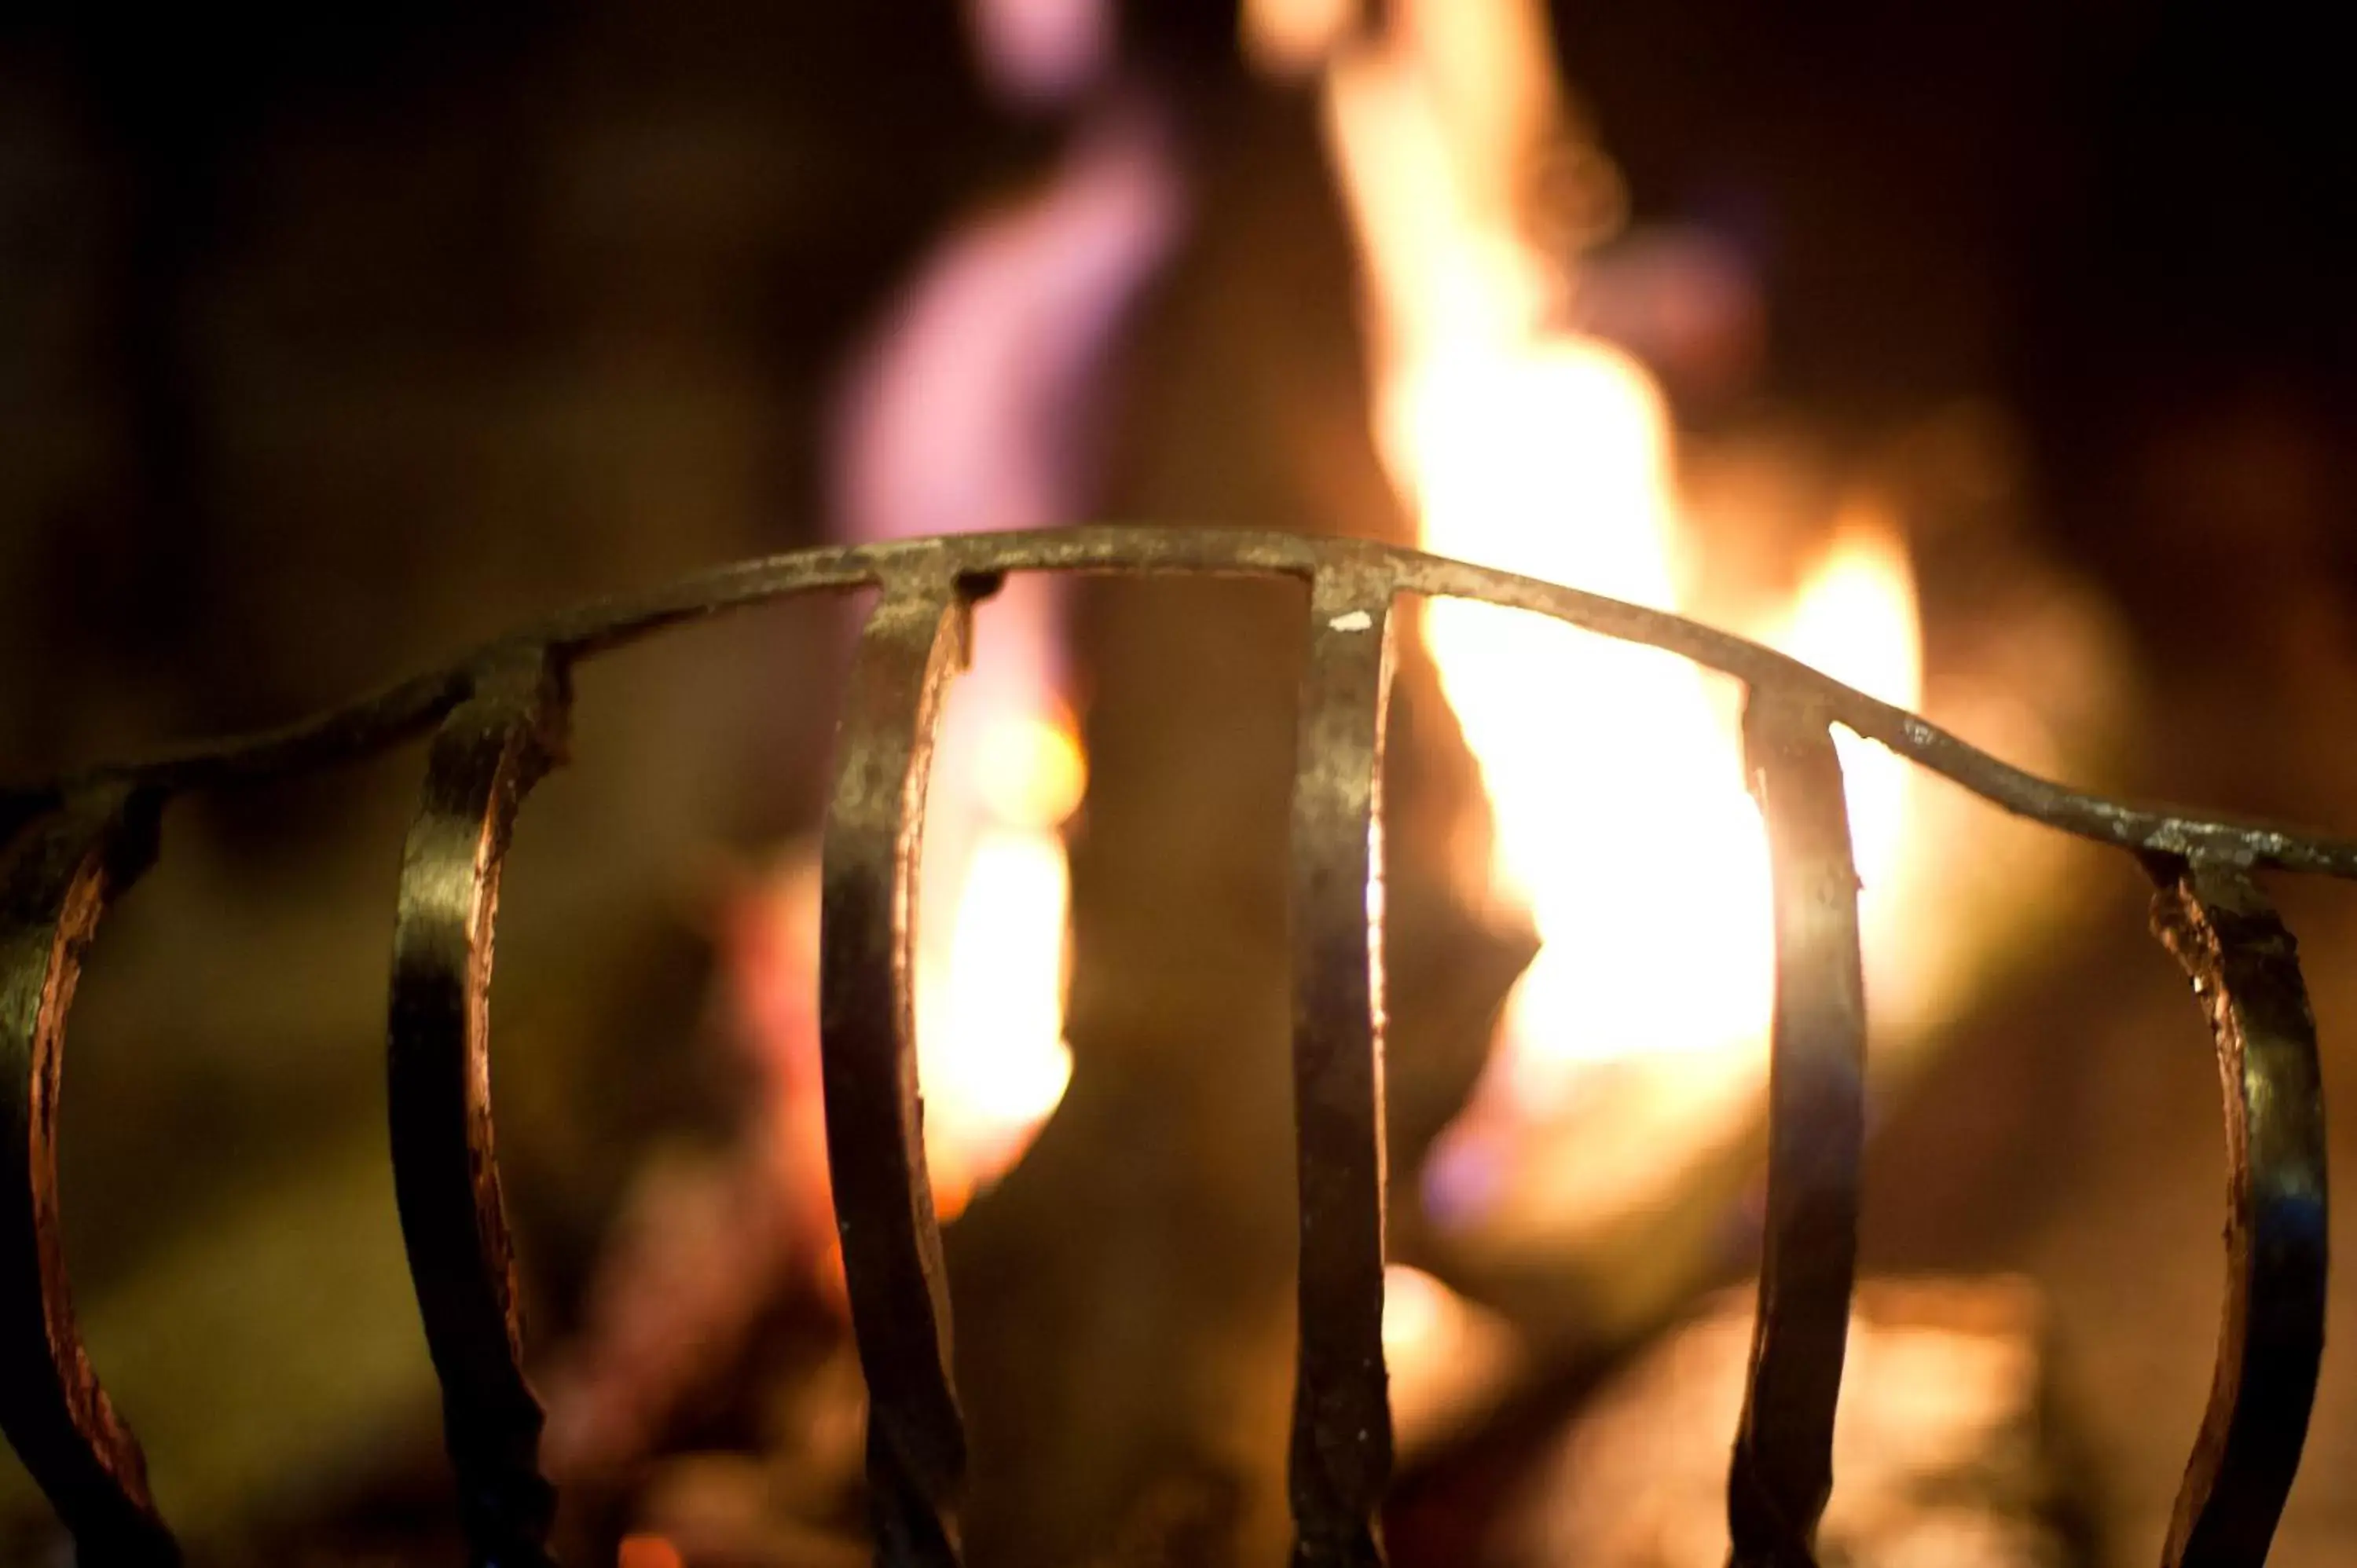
{"x":648,"y":1552}
{"x":1614,"y":774}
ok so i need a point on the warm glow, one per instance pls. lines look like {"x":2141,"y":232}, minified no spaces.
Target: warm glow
{"x":1029,"y":771}
{"x":991,"y":1052}
{"x":1615,"y":781}
{"x":1416,"y":1309}
{"x":648,"y":1552}
{"x":991,"y":1057}
{"x":1450,"y":1360}
{"x":1291,"y":38}
{"x":1855,"y":619}
{"x":959,"y":417}
{"x":1614,"y":773}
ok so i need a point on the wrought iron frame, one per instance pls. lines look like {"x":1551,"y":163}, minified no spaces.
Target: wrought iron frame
{"x":499,"y":720}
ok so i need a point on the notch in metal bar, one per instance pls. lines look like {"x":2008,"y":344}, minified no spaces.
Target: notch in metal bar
{"x":2245,"y":969}
{"x":60,"y":875}
{"x":488,"y":753}
{"x":913,"y":642}
{"x":1341,"y":1456}
{"x":1783,"y":1470}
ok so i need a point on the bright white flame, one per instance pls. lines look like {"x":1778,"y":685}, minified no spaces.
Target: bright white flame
{"x":1029,"y":771}
{"x":1614,"y":773}
{"x":991,"y":1058}
{"x":1615,"y":783}
{"x":993,"y":896}
{"x":991,"y":1051}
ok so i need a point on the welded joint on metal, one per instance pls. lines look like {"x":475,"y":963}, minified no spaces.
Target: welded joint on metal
{"x":489,"y":752}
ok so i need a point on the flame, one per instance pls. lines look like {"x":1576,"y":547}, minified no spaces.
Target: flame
{"x":1614,"y":773}
{"x":991,"y":1058}
{"x":1855,"y":619}
{"x":1450,"y":1360}
{"x":960,"y":416}
{"x":1031,"y":770}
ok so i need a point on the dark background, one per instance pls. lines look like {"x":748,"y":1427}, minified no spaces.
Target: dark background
{"x":287,"y":287}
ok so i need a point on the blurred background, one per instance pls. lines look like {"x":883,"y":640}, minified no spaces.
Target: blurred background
{"x":2000,"y":361}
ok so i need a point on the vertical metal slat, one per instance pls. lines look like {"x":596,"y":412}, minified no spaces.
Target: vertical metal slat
{"x":1782,"y":1469}
{"x":490,"y":751}
{"x":1341,"y":1453}
{"x":914,"y":641}
{"x":2245,"y":968}
{"x":60,"y":876}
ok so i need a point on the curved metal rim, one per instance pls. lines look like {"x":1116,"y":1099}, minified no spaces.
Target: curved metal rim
{"x":402,"y":710}
{"x":2245,"y":968}
{"x":55,"y":888}
{"x":487,"y":756}
{"x":2238,"y":1478}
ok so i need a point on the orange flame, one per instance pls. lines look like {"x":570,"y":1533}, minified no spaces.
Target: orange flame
{"x":991,"y":1058}
{"x":1614,"y":773}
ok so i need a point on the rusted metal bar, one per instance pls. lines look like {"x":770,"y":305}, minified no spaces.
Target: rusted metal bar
{"x":488,"y":753}
{"x":913,"y":642}
{"x":1783,"y":1470}
{"x":2246,"y":969}
{"x":60,"y":874}
{"x":1341,"y":1456}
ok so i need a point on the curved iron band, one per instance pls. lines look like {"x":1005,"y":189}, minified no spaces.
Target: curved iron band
{"x":2245,"y":967}
{"x":913,"y":641}
{"x":60,"y":875}
{"x":379,"y":720}
{"x":490,"y":751}
{"x":1783,"y":1470}
{"x":1341,"y":1454}
{"x":408,"y":707}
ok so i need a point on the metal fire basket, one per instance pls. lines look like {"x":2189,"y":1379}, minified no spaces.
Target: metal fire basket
{"x":499,"y":719}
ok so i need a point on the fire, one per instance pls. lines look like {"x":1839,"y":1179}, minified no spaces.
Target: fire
{"x":1620,"y":794}
{"x":991,"y":1058}
{"x":1451,"y":1361}
{"x":959,"y":417}
{"x":1614,"y":773}
{"x":1855,"y":619}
